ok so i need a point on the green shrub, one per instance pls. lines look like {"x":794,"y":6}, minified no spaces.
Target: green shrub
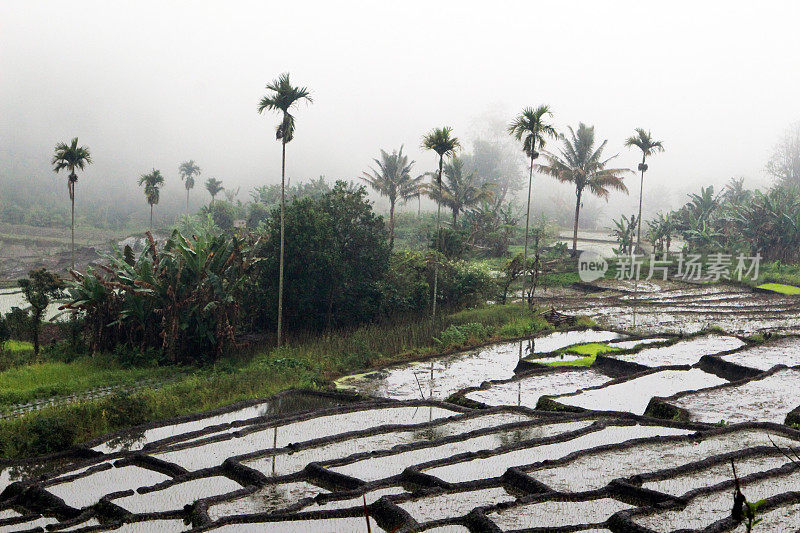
{"x":123,"y":409}
{"x":470,"y":333}
{"x":19,"y":324}
{"x":132,"y":357}
{"x":46,"y":434}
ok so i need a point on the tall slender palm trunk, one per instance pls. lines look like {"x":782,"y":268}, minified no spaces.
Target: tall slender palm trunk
{"x":639,"y":221}
{"x":151,"y":217}
{"x":391,"y":224}
{"x":438,"y":238}
{"x":527,"y":226}
{"x":72,"y":231}
{"x":575,"y":226}
{"x":280,"y":268}
{"x":187,"y":200}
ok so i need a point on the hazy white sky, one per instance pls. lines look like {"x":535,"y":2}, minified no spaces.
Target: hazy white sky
{"x":153,"y":83}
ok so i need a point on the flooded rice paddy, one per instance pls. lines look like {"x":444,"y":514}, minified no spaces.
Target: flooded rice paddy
{"x":641,"y":439}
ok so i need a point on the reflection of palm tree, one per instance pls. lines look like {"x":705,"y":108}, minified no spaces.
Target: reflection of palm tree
{"x":430,"y":433}
{"x":515,"y":436}
{"x":126,"y":442}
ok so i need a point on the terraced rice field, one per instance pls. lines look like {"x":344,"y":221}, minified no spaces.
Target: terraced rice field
{"x":644,"y":439}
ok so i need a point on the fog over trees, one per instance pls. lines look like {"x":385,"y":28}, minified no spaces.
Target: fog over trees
{"x":167,"y":82}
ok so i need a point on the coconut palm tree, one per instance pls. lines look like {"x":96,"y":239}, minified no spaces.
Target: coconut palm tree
{"x":188,"y":170}
{"x":582,"y":164}
{"x":531,"y":127}
{"x":459,"y":190}
{"x":71,"y":157}
{"x":282,"y":98}
{"x":152,"y":186}
{"x":440,"y":141}
{"x":643,"y":140}
{"x":214,"y":187}
{"x":393,"y":179}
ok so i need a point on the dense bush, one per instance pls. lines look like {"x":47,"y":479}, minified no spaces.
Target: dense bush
{"x":337,"y":254}
{"x":408,"y":286}
{"x":470,"y":333}
{"x":453,"y":243}
{"x":19,"y":323}
{"x":47,"y":434}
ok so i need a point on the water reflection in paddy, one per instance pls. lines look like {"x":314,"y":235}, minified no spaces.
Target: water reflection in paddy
{"x":288,"y":463}
{"x":214,"y":453}
{"x":442,"y":376}
{"x":496,"y":465}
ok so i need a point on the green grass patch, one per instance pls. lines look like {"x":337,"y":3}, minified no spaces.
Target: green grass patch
{"x":13,"y":346}
{"x":43,"y":380}
{"x":780,"y":288}
{"x":590,"y":350}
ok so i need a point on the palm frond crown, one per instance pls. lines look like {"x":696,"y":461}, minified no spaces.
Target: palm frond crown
{"x":282,"y":97}
{"x":581,"y":163}
{"x":643,"y":140}
{"x":188,"y":170}
{"x":441,"y":141}
{"x":532,"y":128}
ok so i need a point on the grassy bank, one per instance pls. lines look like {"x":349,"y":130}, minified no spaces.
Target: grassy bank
{"x":43,"y":380}
{"x":309,"y":362}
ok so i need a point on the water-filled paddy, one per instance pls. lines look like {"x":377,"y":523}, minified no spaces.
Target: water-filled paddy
{"x":552,"y":513}
{"x":442,"y":506}
{"x":327,"y":525}
{"x":294,"y":461}
{"x":356,"y":501}
{"x":634,"y":394}
{"x":376,"y":468}
{"x":87,"y":490}
{"x":527,"y":390}
{"x":705,"y":509}
{"x":267,"y":499}
{"x":214,"y":453}
{"x":598,"y":468}
{"x":496,"y":465}
{"x":176,"y":496}
{"x":785,"y":351}
{"x":686,"y":352}
{"x":766,"y":399}
{"x":680,"y":484}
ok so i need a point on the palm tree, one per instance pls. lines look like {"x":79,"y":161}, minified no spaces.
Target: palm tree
{"x":459,"y":190}
{"x":393,"y":180}
{"x":214,"y":187}
{"x":71,"y":157}
{"x":531,"y":128}
{"x":643,"y":140}
{"x":152,"y":184}
{"x":188,"y":170}
{"x":283,"y":97}
{"x":440,"y":141}
{"x":583,"y":165}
